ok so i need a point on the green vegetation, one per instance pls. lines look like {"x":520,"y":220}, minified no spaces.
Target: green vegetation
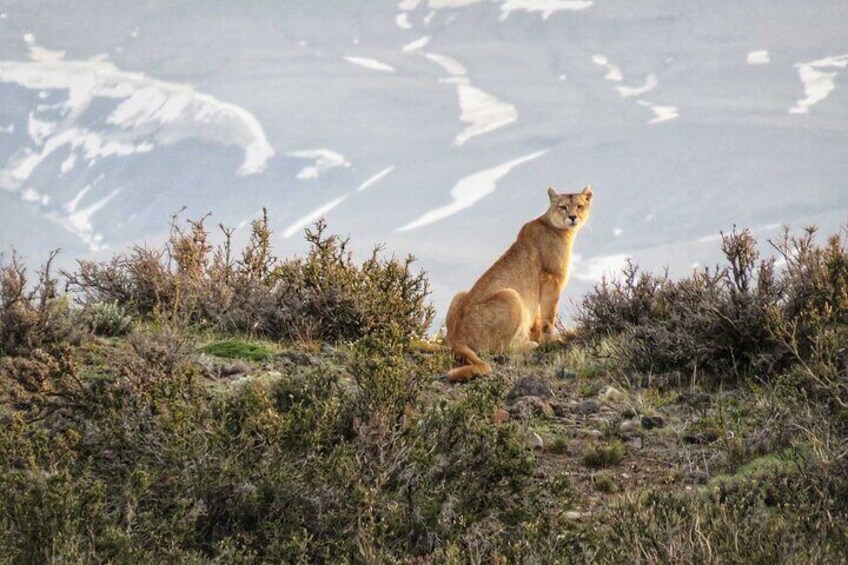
{"x":235,"y":349}
{"x":601,"y":456}
{"x":184,"y":405}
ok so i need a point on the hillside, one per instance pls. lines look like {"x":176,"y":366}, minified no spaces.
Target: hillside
{"x":202,"y":403}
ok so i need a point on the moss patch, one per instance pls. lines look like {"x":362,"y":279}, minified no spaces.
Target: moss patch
{"x":235,"y":349}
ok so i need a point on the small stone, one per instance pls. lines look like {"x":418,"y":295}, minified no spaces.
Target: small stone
{"x":629,"y":413}
{"x":588,"y":406}
{"x":525,"y":408}
{"x":634,"y":443}
{"x":629,"y":428}
{"x":591,"y":433}
{"x":234,"y":368}
{"x":651,"y":422}
{"x":574,"y":516}
{"x":535,"y":441}
{"x":564,"y":374}
{"x":611,"y":395}
{"x":531,"y":386}
{"x":501,"y":416}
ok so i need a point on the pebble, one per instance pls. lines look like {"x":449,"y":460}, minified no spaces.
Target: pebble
{"x":535,"y":441}
{"x":531,"y":386}
{"x":501,"y":416}
{"x":611,"y":395}
{"x":574,"y":516}
{"x":586,"y":407}
{"x":629,"y":428}
{"x":651,"y":422}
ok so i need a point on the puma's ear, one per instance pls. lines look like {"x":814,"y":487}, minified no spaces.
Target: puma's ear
{"x":552,"y":194}
{"x":587,"y":192}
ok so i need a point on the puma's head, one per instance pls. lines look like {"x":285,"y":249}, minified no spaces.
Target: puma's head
{"x":569,"y":211}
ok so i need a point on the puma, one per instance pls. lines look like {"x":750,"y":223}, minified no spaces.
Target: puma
{"x":513,"y":305}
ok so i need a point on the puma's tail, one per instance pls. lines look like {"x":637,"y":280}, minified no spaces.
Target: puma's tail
{"x":476,"y":365}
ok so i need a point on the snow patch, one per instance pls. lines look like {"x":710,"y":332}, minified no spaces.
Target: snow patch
{"x":371,"y":64}
{"x":482,"y":111}
{"x":449,"y":64}
{"x":544,"y":7}
{"x":596,"y":268}
{"x":663,"y":113}
{"x":375,"y":179}
{"x":402,"y":21}
{"x":613,"y":72}
{"x":312,"y":216}
{"x":150,"y":111}
{"x":651,"y":83}
{"x":470,"y":190}
{"x":325,"y":159}
{"x":417,"y":44}
{"x":319,"y":212}
{"x":759,"y":57}
{"x":818,"y":84}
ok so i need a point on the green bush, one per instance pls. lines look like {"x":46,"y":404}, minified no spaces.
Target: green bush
{"x":147,"y":464}
{"x":33,"y":314}
{"x":325,"y":295}
{"x":747,"y":317}
{"x":601,"y":456}
{"x":107,"y":319}
{"x":235,"y":349}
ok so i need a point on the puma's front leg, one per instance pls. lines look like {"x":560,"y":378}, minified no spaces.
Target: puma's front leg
{"x":549,"y":299}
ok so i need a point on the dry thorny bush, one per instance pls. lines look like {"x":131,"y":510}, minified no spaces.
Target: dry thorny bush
{"x":325,"y":295}
{"x":748,"y":317}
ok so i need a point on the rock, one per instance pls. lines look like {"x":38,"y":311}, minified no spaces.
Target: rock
{"x":501,"y":416}
{"x":531,"y":386}
{"x":234,"y":368}
{"x":629,"y":413}
{"x":629,"y":428}
{"x":587,"y":406}
{"x":651,"y":422}
{"x":564,"y":374}
{"x":525,"y":408}
{"x":298,"y":358}
{"x":559,"y":410}
{"x":534,"y":440}
{"x":634,"y":443}
{"x":611,"y":395}
{"x":591,"y":433}
{"x":574,"y":516}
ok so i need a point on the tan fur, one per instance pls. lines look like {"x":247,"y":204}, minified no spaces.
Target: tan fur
{"x":513,"y":305}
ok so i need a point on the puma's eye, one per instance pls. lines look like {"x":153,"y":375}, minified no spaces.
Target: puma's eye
{"x":563,"y":208}
{"x":580,"y":207}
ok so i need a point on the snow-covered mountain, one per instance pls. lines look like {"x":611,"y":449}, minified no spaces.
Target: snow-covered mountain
{"x":434,"y":126}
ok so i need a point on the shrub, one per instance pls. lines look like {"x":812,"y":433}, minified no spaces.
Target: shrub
{"x":107,"y":319}
{"x":235,"y":349}
{"x":745,"y":317}
{"x":781,"y":517}
{"x":601,"y":456}
{"x":146,"y":464}
{"x":31,"y":315}
{"x":325,"y":295}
